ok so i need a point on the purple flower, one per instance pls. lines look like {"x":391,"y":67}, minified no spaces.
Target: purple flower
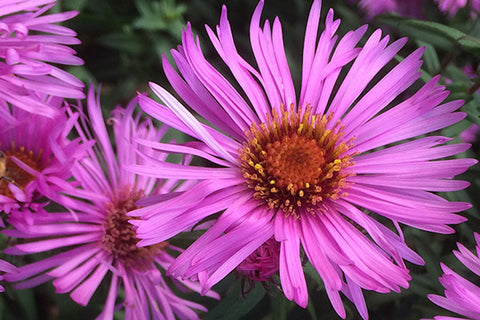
{"x":315,"y":170}
{"x":461,"y":296}
{"x":451,"y":6}
{"x":94,"y":233}
{"x":261,"y":265}
{"x":409,"y":8}
{"x":470,"y":134}
{"x":35,"y":156}
{"x":414,"y":8}
{"x":30,"y":41}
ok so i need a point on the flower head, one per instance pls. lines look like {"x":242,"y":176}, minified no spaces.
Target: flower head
{"x":94,"y":235}
{"x":461,"y":296}
{"x":35,"y":156}
{"x":452,"y":6}
{"x":261,"y":265}
{"x":409,"y":8}
{"x":30,"y":41}
{"x":313,"y":171}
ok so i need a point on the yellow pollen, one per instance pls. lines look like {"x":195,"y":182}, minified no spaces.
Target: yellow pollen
{"x":293,"y":161}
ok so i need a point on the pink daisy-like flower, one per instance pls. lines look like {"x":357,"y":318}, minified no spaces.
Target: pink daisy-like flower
{"x":30,"y":41}
{"x":94,"y":235}
{"x":461,"y":296}
{"x":35,"y":156}
{"x":315,"y":170}
{"x":452,"y":6}
{"x":408,"y":8}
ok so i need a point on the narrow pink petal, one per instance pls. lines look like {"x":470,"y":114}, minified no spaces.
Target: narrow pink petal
{"x":167,"y":170}
{"x":191,"y":122}
{"x":357,"y":298}
{"x":385,"y":91}
{"x":240,"y":68}
{"x":258,"y":238}
{"x":337,"y":302}
{"x":392,"y":243}
{"x":108,"y":309}
{"x":257,"y":40}
{"x":227,"y":96}
{"x":69,"y":281}
{"x":165,"y":228}
{"x":74,"y":261}
{"x":232,"y":214}
{"x":291,"y":272}
{"x":83,"y":293}
{"x":168,"y":147}
{"x":317,"y":257}
{"x":309,"y":44}
{"x":45,"y":245}
{"x":194,"y":93}
{"x":286,"y":82}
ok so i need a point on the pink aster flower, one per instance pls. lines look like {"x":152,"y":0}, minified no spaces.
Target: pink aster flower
{"x":408,"y":8}
{"x":314,"y":171}
{"x":35,"y":156}
{"x":452,"y":6}
{"x":461,"y":296}
{"x":94,"y":235}
{"x":30,"y":42}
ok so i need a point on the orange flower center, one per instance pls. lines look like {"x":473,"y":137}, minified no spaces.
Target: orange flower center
{"x":296,"y":160}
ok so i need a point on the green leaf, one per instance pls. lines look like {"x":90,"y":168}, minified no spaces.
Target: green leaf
{"x":75,"y":4}
{"x":436,"y":28}
{"x":122,"y":42}
{"x":311,"y":272}
{"x":26,"y":301}
{"x":434,"y":33}
{"x":311,"y":311}
{"x":279,"y":307}
{"x":470,"y":43}
{"x":430,"y":58}
{"x":159,"y":16}
{"x":235,"y":306}
{"x":472,"y":109}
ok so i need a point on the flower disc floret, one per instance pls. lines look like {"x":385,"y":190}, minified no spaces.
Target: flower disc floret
{"x":296,"y":160}
{"x":11,"y":172}
{"x":119,"y":238}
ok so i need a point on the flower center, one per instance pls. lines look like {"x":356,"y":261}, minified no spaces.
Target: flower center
{"x":120,"y":239}
{"x":10,"y":172}
{"x":296,"y":160}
